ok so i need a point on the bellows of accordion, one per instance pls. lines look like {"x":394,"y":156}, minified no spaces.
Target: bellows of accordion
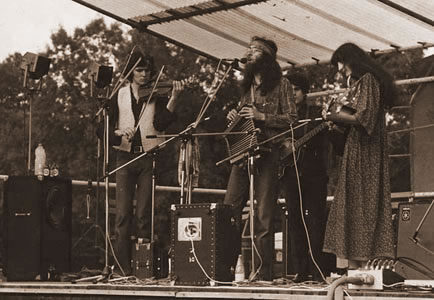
{"x":238,"y":143}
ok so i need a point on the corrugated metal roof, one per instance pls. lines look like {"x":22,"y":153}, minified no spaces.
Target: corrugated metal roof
{"x":306,"y":31}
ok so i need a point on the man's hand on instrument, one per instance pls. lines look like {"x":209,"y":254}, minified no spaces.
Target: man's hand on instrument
{"x":250,"y":112}
{"x":127,"y":132}
{"x":232,"y":114}
{"x":178,"y":87}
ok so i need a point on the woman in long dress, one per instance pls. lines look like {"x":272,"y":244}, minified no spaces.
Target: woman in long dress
{"x":359,"y":225}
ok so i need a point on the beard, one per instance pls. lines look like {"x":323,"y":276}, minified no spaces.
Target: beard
{"x":269,"y":70}
{"x":254,"y":67}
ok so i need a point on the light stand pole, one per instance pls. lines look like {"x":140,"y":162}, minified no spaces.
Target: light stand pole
{"x":35,"y":67}
{"x":101,"y":76}
{"x":29,"y":149}
{"x":106,"y":185}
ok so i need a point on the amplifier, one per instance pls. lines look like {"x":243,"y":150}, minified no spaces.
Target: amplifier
{"x":415,"y":245}
{"x":148,"y":260}
{"x":202,"y":240}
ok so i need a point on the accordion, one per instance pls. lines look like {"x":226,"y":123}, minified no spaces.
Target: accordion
{"x":239,"y":143}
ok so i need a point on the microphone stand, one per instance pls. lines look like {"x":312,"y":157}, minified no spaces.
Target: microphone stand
{"x":104,"y":111}
{"x":251,"y":154}
{"x":186,"y":135}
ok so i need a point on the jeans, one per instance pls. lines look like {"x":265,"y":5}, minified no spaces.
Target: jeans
{"x":265,"y":190}
{"x":132,"y":182}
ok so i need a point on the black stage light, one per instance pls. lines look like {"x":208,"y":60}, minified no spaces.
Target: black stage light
{"x":101,"y":75}
{"x":35,"y":65}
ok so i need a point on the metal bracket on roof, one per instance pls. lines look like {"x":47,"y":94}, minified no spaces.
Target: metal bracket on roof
{"x":424,"y":44}
{"x":374,"y":52}
{"x":293,"y":64}
{"x":397,"y":48}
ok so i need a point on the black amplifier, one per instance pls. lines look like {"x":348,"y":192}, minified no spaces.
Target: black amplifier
{"x":148,"y":260}
{"x":202,"y":239}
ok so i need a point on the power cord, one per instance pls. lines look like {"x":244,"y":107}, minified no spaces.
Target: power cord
{"x":193,"y":251}
{"x":294,"y":156}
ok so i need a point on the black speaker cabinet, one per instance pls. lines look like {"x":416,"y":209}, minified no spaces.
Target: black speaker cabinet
{"x":37,"y":227}
{"x":56,"y":226}
{"x":414,"y":250}
{"x":22,"y":236}
{"x":202,"y":238}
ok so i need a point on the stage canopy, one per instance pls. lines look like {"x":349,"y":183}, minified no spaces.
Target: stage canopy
{"x":306,"y":31}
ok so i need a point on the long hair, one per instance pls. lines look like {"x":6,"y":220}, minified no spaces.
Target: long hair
{"x":360,"y":64}
{"x":146,"y":61}
{"x":266,"y":66}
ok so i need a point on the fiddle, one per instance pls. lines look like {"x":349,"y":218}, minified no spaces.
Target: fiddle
{"x":163,"y":88}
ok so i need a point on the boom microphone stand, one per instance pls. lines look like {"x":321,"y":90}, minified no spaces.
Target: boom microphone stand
{"x":187,"y":134}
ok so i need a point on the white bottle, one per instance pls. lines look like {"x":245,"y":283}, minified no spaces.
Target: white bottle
{"x":40,"y":158}
{"x":239,"y":269}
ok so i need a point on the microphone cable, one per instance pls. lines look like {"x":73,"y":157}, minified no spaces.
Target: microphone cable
{"x":306,"y":230}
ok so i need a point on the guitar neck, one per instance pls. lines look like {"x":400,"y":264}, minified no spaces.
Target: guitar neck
{"x":310,"y":135}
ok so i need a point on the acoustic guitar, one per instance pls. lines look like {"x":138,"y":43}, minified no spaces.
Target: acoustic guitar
{"x":339,"y":132}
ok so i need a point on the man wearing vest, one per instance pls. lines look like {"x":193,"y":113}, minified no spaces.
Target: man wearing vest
{"x":130,"y":141}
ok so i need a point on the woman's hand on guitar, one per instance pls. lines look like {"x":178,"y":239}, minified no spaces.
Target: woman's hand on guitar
{"x":324,"y":114}
{"x":232,"y":115}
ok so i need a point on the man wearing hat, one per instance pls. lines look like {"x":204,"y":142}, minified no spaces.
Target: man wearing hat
{"x":312,"y":175}
{"x":134,"y":181}
{"x":267,"y":99}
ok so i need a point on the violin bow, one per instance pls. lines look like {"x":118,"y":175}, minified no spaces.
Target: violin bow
{"x":209,"y":99}
{"x":118,"y":86}
{"x":148,"y":100}
{"x":125,"y":67}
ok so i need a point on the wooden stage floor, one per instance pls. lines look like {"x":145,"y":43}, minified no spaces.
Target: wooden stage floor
{"x":164,"y":290}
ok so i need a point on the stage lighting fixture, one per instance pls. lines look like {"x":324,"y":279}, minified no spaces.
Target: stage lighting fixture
{"x":101,"y":75}
{"x":35,"y":65}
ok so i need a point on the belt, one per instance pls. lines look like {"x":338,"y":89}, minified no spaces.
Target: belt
{"x":137,"y":149}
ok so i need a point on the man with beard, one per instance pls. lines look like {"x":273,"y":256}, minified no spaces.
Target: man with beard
{"x":267,"y":99}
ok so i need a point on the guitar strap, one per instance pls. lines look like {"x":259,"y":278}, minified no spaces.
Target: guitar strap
{"x":306,"y":116}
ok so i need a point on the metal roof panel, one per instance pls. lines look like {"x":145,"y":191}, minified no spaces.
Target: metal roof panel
{"x":302,"y":29}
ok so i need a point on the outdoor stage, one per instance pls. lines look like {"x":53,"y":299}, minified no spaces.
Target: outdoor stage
{"x":164,"y":290}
